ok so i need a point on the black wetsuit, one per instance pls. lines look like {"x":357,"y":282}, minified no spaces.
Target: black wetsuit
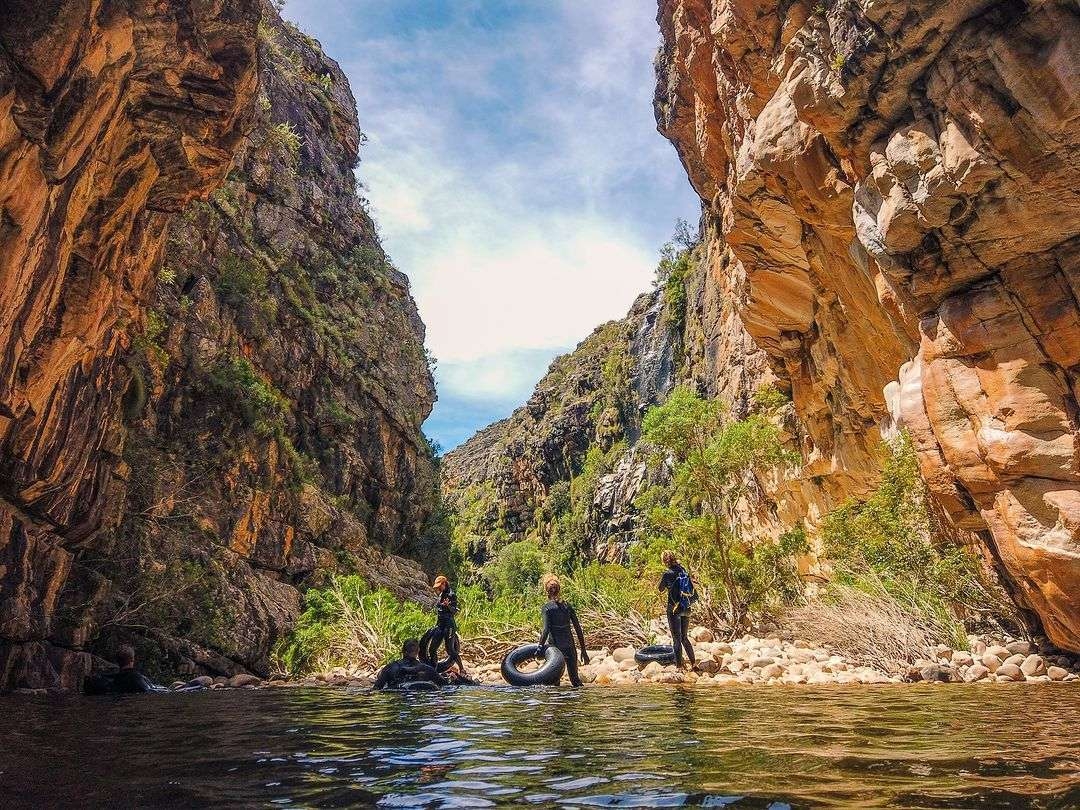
{"x":124,"y":682}
{"x":678,"y":619}
{"x":405,"y":670}
{"x":559,"y":618}
{"x":446,"y":629}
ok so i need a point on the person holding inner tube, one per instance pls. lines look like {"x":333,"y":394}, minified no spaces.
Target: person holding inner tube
{"x":680,"y":589}
{"x":446,"y":626}
{"x":409,"y":669}
{"x":558,"y":619}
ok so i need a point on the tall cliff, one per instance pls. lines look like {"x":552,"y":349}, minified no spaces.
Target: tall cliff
{"x":898,"y":185}
{"x":589,"y":400}
{"x":212,"y":380}
{"x":564,"y":468}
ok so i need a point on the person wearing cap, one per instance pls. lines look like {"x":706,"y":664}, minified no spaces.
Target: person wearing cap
{"x":446,"y":625}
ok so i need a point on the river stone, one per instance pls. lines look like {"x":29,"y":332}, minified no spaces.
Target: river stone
{"x":709,"y":666}
{"x":976,"y":673}
{"x":204,"y":681}
{"x":772,"y":671}
{"x":701,"y":634}
{"x":652,"y":669}
{"x":991,"y":661}
{"x":1057,"y":673}
{"x":962,"y":658}
{"x":761,"y":661}
{"x":934,"y":672}
{"x":1019,"y":647}
{"x":978,"y":648}
{"x":1033,"y":665}
{"x":1001,"y":652}
{"x":628,"y":664}
{"x":1016,"y":659}
{"x":621,"y":654}
{"x":243,"y":679}
{"x":1010,"y":671}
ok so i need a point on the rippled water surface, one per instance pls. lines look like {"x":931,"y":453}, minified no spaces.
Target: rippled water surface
{"x":994,"y":746}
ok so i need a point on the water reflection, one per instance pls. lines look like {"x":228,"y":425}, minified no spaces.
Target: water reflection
{"x":943,"y":746}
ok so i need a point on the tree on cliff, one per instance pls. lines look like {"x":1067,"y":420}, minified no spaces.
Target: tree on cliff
{"x":715,"y":462}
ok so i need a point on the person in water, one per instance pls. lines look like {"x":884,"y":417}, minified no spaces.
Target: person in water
{"x":676,"y":581}
{"x":126,"y":681}
{"x":446,"y":626}
{"x":558,"y":618}
{"x":406,"y":670}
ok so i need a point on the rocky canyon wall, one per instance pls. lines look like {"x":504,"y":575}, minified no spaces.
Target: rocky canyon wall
{"x":112,"y":117}
{"x":205,"y":401}
{"x":898,"y":184}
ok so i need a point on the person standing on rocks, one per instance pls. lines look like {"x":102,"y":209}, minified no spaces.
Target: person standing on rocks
{"x":558,"y":618}
{"x":681,"y":595}
{"x":446,"y":626}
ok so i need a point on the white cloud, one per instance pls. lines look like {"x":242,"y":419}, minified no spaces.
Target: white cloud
{"x":514,"y":170}
{"x":544,"y":286}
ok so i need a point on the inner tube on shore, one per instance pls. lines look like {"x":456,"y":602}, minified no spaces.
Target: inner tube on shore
{"x":418,"y":686}
{"x":660,"y":653}
{"x":549,"y":674}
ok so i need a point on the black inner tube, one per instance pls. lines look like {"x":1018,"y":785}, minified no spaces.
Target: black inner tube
{"x":549,"y":673}
{"x":661,"y":653}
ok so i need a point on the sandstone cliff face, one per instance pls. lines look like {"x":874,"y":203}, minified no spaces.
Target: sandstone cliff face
{"x":111,"y":118}
{"x":193,"y":420}
{"x":898,"y":183}
{"x":279,"y":387}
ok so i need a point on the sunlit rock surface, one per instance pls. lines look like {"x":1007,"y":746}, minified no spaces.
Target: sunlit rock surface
{"x":134,"y":495}
{"x":899,"y":181}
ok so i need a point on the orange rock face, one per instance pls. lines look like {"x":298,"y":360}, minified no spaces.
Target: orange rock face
{"x":111,"y":119}
{"x":900,"y":185}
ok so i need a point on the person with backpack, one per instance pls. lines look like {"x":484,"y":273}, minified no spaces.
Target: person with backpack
{"x":681,"y":595}
{"x":558,"y":618}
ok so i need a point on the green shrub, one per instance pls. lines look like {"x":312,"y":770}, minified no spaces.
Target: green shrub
{"x":348,"y":623}
{"x":516,"y":569}
{"x":258,"y":404}
{"x":672,"y":272}
{"x":149,"y":341}
{"x":768,"y":399}
{"x":890,"y":542}
{"x":715,"y":462}
{"x":241,"y":282}
{"x":284,"y":138}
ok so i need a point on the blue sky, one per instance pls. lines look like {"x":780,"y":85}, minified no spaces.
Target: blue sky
{"x":515,"y":171}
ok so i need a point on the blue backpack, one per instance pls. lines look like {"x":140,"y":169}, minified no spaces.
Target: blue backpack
{"x":687,"y":592}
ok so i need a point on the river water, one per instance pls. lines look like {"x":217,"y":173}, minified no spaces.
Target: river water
{"x":895,"y":746}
